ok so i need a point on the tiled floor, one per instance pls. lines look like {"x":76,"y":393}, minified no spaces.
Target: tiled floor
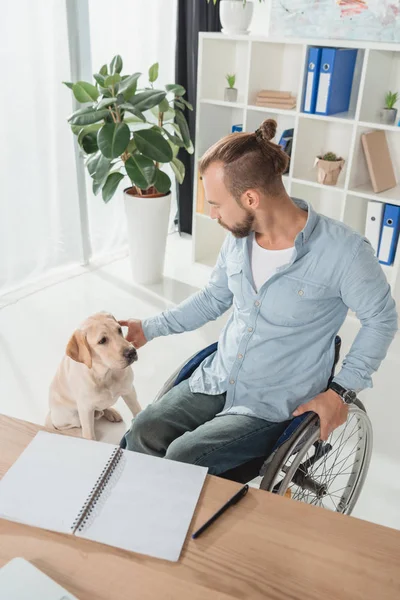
{"x":35,"y":330}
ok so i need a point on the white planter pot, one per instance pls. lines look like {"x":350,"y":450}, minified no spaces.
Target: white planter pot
{"x":147,"y":224}
{"x":235,"y":18}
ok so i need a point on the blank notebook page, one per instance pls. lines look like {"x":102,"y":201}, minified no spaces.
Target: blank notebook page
{"x":148,"y":507}
{"x":50,"y":481}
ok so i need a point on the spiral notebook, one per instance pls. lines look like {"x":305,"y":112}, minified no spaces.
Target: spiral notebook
{"x":99,"y":492}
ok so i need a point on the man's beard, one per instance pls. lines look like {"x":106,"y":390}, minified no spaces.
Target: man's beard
{"x":243,"y":229}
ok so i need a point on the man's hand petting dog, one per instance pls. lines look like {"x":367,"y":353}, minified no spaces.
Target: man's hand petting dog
{"x":135,"y":333}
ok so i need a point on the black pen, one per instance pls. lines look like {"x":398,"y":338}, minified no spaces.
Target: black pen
{"x":234,"y":500}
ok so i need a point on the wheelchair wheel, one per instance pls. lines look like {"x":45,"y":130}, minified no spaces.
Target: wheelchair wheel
{"x":328,"y":474}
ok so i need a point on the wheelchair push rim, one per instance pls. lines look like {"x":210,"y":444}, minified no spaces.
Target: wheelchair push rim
{"x":327,"y":474}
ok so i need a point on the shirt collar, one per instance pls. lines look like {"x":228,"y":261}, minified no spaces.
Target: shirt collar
{"x":312,"y":220}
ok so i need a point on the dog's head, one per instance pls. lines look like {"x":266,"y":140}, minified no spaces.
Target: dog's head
{"x":100,"y":341}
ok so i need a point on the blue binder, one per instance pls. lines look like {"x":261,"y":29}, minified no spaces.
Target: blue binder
{"x":335,"y":80}
{"x":311,"y":85}
{"x":389,"y":234}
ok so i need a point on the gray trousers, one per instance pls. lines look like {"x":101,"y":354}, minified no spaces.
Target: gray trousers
{"x":183,"y":426}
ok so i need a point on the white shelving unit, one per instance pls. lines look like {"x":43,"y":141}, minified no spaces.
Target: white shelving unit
{"x":281,"y":64}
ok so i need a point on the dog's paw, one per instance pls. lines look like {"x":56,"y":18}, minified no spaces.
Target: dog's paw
{"x":112,"y":415}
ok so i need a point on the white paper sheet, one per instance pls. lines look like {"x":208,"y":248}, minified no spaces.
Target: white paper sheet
{"x":19,"y":580}
{"x":50,"y":481}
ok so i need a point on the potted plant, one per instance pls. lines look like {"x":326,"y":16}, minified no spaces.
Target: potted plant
{"x":235,"y":15}
{"x":230,"y":92}
{"x":127,"y":130}
{"x":329,"y":167}
{"x":388,"y":114}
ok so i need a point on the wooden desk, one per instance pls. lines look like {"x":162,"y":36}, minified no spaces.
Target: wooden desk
{"x":266,"y":547}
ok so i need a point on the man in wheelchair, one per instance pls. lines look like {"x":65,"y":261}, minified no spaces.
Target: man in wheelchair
{"x":291,"y":275}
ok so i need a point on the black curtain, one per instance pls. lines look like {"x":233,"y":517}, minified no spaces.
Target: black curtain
{"x":193,"y":16}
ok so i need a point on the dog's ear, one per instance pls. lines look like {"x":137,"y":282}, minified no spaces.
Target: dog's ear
{"x":78,"y":349}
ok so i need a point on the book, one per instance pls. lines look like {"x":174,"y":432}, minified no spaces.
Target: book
{"x":274,"y":94}
{"x":286,"y":106}
{"x":19,"y":580}
{"x":378,"y":159}
{"x":99,"y":492}
{"x":279,"y":101}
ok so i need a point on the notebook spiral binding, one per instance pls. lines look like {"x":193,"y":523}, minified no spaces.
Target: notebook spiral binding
{"x":96,"y":491}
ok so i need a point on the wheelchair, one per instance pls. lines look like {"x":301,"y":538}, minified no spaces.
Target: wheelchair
{"x":328,"y":474}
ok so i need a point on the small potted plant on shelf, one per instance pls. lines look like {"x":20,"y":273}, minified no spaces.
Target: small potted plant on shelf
{"x":329,"y":167}
{"x":235,"y":15}
{"x":388,"y":114}
{"x":125,"y":130}
{"x":230,"y":92}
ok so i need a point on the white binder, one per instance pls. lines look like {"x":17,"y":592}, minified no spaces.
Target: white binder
{"x":373,"y":224}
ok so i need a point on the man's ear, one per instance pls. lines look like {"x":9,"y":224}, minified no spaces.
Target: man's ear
{"x":78,"y":349}
{"x":250,"y":199}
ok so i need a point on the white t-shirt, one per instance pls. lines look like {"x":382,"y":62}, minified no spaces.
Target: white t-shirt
{"x":264,"y":263}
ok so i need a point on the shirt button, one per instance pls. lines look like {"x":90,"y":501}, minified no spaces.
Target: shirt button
{"x":240,"y":355}
{"x":301,"y":293}
{"x":256,"y":303}
{"x":250,"y":329}
{"x":232,"y":381}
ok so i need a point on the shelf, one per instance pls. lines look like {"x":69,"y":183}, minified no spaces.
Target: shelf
{"x":347,"y":118}
{"x":394,"y":128}
{"x":270,"y":110}
{"x":310,"y":182}
{"x":365,"y":191}
{"x":222,"y":103}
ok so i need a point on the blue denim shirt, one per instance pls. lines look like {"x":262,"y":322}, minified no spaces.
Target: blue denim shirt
{"x":277,"y":349}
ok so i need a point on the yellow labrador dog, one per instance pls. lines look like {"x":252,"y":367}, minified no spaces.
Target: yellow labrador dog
{"x":93,"y":374}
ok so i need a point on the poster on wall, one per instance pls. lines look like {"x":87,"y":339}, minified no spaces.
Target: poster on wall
{"x":374,"y":20}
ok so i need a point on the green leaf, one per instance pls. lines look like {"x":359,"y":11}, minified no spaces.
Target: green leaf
{"x":111,"y":185}
{"x":174,"y":138}
{"x":179,"y":169}
{"x":89,"y":143}
{"x":186,"y":103}
{"x":104,"y":70}
{"x":179,"y":104}
{"x":113,"y":139}
{"x":116,"y":64}
{"x":131,"y":148}
{"x":88,"y":129}
{"x":87,"y":116}
{"x":111,"y":80}
{"x":175,"y":149}
{"x":105,"y":102}
{"x":98,"y":166}
{"x":96,"y":186}
{"x":177,"y":89}
{"x":153,"y":72}
{"x":151,"y":143}
{"x":163,"y":182}
{"x":68,"y":84}
{"x":132,"y":109}
{"x":99,"y":78}
{"x":183,"y":127}
{"x":76,"y":129}
{"x":128,"y":86}
{"x":147,"y":99}
{"x":85,"y":92}
{"x":141,"y":171}
{"x":163,"y":107}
